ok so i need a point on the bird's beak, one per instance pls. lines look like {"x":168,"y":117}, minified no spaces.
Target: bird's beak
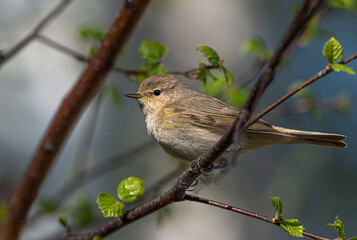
{"x":134,"y":95}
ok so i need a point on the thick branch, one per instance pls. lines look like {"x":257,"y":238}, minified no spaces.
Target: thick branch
{"x":81,"y":94}
{"x":244,"y":212}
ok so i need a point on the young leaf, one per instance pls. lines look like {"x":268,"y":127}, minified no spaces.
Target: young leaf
{"x":332,"y":50}
{"x":97,"y":237}
{"x":152,"y":52}
{"x":277,"y":205}
{"x":293,"y":227}
{"x":341,"y":67}
{"x":339,"y":227}
{"x":211,"y":55}
{"x":227,"y":75}
{"x":109,"y":205}
{"x":130,"y":189}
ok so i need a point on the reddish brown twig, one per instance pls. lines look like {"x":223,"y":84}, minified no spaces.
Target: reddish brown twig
{"x":243,"y":212}
{"x":82,"y":93}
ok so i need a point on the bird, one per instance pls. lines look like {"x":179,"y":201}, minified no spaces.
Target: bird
{"x":187,"y":123}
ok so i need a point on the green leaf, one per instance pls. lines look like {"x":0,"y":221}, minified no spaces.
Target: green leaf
{"x":352,"y":238}
{"x":130,"y":189}
{"x":237,"y":96}
{"x":227,"y":75}
{"x":97,"y":237}
{"x":277,"y":205}
{"x":332,"y":50}
{"x":152,"y":52}
{"x":338,"y":226}
{"x":293,"y":227}
{"x":211,"y":55}
{"x":63,"y":221}
{"x":341,"y":67}
{"x":109,"y":205}
{"x":92,"y":33}
{"x":48,"y":205}
{"x":112,"y":92}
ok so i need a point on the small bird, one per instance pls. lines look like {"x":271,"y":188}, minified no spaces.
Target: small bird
{"x":187,"y":123}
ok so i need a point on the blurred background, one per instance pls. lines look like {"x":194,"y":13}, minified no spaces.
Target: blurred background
{"x":314,"y":183}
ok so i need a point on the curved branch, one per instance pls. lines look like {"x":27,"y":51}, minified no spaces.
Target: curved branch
{"x":86,"y":87}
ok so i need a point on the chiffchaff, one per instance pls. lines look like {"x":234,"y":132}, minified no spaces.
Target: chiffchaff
{"x":187,"y":123}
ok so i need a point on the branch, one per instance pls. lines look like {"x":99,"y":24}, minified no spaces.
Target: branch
{"x":32,"y":35}
{"x":184,"y":181}
{"x":86,"y":87}
{"x":243,"y":212}
{"x":317,"y":76}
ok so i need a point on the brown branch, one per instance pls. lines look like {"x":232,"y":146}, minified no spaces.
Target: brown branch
{"x":33,"y":34}
{"x":184,"y":181}
{"x":317,"y":76}
{"x":243,"y":212}
{"x":81,"y":94}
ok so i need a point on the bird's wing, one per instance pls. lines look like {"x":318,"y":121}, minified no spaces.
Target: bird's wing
{"x":212,"y":114}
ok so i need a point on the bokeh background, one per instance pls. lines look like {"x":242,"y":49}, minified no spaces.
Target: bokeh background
{"x":314,"y":183}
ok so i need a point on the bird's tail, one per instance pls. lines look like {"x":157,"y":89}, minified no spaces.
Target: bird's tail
{"x":262,"y":134}
{"x":316,"y":138}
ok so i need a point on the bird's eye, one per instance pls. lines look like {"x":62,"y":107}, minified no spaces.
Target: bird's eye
{"x":157,"y":92}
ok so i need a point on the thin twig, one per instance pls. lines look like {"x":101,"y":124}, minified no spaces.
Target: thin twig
{"x":184,"y":181}
{"x":32,"y":35}
{"x":317,"y":76}
{"x":192,"y":73}
{"x":85,"y":89}
{"x":243,"y":212}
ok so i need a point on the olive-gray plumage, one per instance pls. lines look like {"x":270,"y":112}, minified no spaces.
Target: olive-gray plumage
{"x":187,"y":123}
